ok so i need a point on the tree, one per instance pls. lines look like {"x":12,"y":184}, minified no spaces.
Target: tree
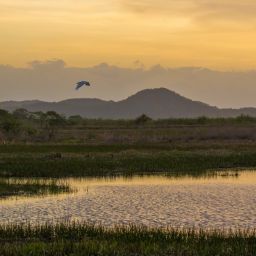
{"x":142,"y":119}
{"x":53,"y":122}
{"x":202,"y":120}
{"x":75,"y":120}
{"x":3,"y":114}
{"x":21,"y":113}
{"x":11,"y":127}
{"x":40,"y":117}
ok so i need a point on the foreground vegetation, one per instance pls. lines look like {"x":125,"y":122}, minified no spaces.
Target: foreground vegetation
{"x":84,"y":239}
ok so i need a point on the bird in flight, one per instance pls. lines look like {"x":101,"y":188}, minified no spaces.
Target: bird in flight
{"x":82,"y":83}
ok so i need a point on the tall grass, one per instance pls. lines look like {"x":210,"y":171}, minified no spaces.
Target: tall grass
{"x":127,"y":163}
{"x":85,"y":239}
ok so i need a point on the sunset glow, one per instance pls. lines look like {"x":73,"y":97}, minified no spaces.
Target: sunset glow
{"x":209,"y":33}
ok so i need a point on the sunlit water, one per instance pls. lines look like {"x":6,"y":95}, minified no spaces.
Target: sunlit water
{"x":216,"y":202}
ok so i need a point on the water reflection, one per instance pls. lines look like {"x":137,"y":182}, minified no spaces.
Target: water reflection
{"x":220,"y":201}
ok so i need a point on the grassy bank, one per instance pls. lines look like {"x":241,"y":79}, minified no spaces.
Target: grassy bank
{"x":82,"y":239}
{"x":123,"y":162}
{"x":9,"y":187}
{"x":117,"y":148}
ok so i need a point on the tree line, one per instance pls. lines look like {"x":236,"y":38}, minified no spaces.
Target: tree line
{"x":23,"y":125}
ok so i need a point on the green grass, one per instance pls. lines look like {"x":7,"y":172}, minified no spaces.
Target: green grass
{"x":65,"y":148}
{"x":131,"y":162}
{"x":84,"y":239}
{"x":117,"y":148}
{"x":17,"y":187}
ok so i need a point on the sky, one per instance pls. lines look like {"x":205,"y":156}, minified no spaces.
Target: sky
{"x":218,"y":35}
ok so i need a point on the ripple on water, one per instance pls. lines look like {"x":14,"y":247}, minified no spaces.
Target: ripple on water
{"x":190,"y":204}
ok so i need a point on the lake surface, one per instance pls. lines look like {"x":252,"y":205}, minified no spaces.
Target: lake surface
{"x":209,"y":202}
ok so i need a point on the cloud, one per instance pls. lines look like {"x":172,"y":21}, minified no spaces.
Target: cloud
{"x":138,"y":64}
{"x":197,"y":10}
{"x":49,"y":64}
{"x":161,"y":6}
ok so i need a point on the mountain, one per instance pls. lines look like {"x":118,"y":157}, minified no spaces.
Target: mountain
{"x":156,"y":103}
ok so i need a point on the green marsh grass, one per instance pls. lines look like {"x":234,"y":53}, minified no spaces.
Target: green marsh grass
{"x":29,"y":187}
{"x":86,"y":239}
{"x":125,"y":163}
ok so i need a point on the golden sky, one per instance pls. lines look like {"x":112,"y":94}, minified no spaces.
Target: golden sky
{"x":217,"y":34}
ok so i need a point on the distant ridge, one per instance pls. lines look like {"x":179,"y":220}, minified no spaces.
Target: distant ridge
{"x":156,"y":103}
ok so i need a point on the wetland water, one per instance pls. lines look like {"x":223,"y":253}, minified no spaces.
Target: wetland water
{"x":206,"y":202}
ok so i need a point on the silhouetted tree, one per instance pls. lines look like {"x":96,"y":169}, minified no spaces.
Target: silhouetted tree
{"x":3,"y":114}
{"x":39,"y":117}
{"x":75,"y":120}
{"x":244,"y":119}
{"x":21,"y":113}
{"x":142,"y":119}
{"x":10,"y":127}
{"x":202,"y":120}
{"x":53,"y":122}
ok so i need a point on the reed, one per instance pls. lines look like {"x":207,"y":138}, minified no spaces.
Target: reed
{"x":86,"y":239}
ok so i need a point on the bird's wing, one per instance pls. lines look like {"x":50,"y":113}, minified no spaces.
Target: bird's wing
{"x":82,"y":83}
{"x":78,"y":85}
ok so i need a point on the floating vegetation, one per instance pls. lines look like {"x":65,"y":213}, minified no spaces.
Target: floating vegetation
{"x":29,"y":187}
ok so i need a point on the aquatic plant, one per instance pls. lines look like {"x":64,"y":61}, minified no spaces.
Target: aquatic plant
{"x":28,"y":187}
